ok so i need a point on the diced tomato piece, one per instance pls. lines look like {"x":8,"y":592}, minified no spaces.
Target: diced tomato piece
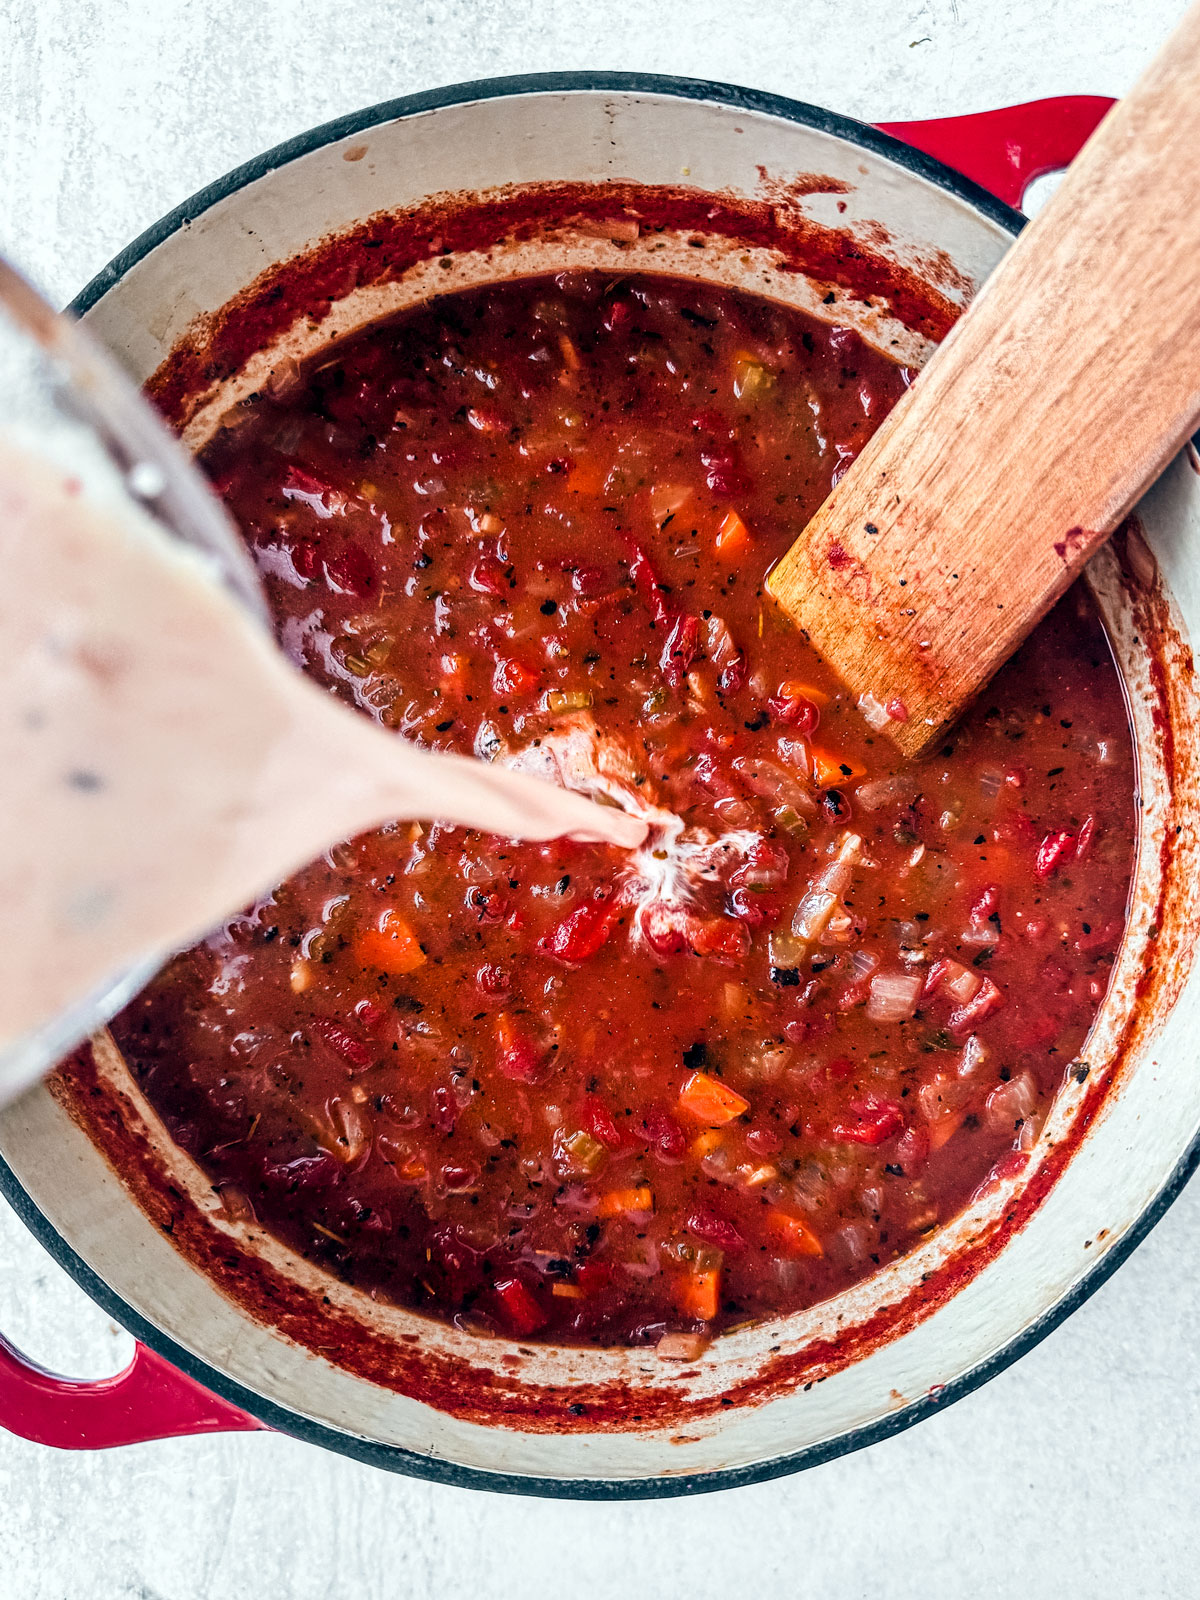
{"x":582,"y":932}
{"x":792,"y":706}
{"x":869,"y":1120}
{"x":1087,"y":833}
{"x":650,"y":585}
{"x":301,"y":482}
{"x":517,"y":1057}
{"x":593,"y":1275}
{"x":764,"y":1141}
{"x":754,"y":908}
{"x":839,"y":1069}
{"x":391,"y":947}
{"x":493,"y":979}
{"x":518,"y":1308}
{"x":487,"y":419}
{"x":370,"y":1014}
{"x":709,"y":1101}
{"x":965,"y":1019}
{"x":351,"y":571}
{"x":488,"y":576}
{"x":306,"y":558}
{"x":681,"y":649}
{"x":985,"y":904}
{"x":766,"y":866}
{"x":724,"y":472}
{"x":720,"y":937}
{"x":445,"y":1110}
{"x":710,"y":1226}
{"x":343,"y":1042}
{"x":1054,"y":849}
{"x":912,"y":1150}
{"x":793,"y":1234}
{"x":670,"y":930}
{"x":514,"y":677}
{"x":897,"y":710}
{"x":599,"y":1122}
{"x":664,"y":1134}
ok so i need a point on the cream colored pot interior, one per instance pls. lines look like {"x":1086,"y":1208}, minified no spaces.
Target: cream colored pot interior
{"x":1149,"y":1117}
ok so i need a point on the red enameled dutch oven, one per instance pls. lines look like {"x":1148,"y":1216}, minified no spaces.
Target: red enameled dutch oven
{"x":492,"y":180}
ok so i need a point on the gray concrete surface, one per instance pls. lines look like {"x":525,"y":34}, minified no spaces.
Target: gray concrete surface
{"x":1072,"y":1474}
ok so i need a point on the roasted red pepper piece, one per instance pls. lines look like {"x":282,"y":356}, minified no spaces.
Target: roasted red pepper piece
{"x":518,"y":1308}
{"x":869,"y":1120}
{"x":581,"y":933}
{"x":341,"y":1040}
{"x":713,"y":1228}
{"x":1054,"y":849}
{"x":650,"y":585}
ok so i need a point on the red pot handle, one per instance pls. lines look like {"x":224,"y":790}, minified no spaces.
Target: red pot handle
{"x":149,"y":1400}
{"x":1005,"y":150}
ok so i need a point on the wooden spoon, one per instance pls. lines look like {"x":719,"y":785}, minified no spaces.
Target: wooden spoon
{"x":1056,"y":400}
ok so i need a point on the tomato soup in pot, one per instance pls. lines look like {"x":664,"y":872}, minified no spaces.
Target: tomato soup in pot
{"x":548,"y":1090}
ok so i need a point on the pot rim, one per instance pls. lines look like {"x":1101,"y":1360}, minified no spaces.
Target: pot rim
{"x":393,"y":1457}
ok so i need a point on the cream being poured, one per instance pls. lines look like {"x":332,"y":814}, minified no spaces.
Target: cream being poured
{"x":161,"y":763}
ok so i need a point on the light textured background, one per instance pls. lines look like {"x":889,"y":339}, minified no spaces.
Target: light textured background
{"x":1072,"y":1474}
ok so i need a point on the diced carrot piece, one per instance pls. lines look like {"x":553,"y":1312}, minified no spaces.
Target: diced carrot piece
{"x":709,"y":1101}
{"x":567,"y":1291}
{"x":794,"y":1234}
{"x":698,"y":1294}
{"x":619,"y":1201}
{"x":733,"y":537}
{"x":944,"y":1128}
{"x":391,"y":947}
{"x":798,"y":689}
{"x":829,"y":770}
{"x":569,"y":353}
{"x":705,"y":1143}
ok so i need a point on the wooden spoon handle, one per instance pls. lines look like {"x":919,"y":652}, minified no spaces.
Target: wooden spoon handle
{"x":1060,"y":395}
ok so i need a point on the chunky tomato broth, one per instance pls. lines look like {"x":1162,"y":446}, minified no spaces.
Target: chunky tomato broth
{"x":549,"y":1090}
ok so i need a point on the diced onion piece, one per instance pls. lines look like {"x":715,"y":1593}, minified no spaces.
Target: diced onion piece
{"x":681,"y":1346}
{"x":719,"y":644}
{"x":621,"y":230}
{"x":559,"y":700}
{"x":961,"y":982}
{"x":785,"y":949}
{"x":1009,"y":1104}
{"x":879,"y":791}
{"x":894,"y":996}
{"x":984,"y":934}
{"x":975,"y":1056}
{"x":873,"y":713}
{"x":864,"y":963}
{"x":750,"y":377}
{"x":813,"y":914}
